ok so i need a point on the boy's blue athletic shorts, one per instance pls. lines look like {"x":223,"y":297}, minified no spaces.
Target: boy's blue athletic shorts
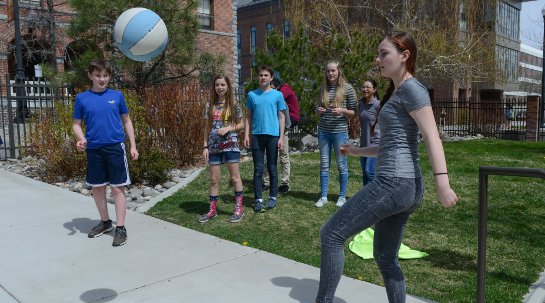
{"x":107,"y":165}
{"x":224,"y":157}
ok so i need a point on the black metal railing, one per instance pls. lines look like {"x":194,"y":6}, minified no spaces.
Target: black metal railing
{"x":484,"y":172}
{"x":501,"y":119}
{"x":18,"y":112}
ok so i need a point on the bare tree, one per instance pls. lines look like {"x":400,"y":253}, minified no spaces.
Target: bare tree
{"x":453,"y":40}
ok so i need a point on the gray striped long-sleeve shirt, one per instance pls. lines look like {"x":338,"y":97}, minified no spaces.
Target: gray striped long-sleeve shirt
{"x":338,"y":124}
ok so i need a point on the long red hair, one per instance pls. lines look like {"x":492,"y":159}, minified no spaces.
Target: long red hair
{"x":402,"y":41}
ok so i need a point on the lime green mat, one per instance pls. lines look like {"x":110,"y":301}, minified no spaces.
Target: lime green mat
{"x":362,"y":245}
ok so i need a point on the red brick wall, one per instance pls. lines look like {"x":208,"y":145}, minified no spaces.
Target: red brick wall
{"x":257,"y":15}
{"x":219,"y":45}
{"x":532,"y":118}
{"x":8,"y":36}
{"x":221,"y":40}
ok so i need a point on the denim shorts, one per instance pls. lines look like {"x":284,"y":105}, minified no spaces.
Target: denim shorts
{"x":224,"y":157}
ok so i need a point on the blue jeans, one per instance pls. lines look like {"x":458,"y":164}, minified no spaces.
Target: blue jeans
{"x":326,"y":142}
{"x":386,"y":203}
{"x":262,"y":144}
{"x":368,"y":165}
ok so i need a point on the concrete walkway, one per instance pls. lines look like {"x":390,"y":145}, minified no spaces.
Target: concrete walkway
{"x":45,"y":256}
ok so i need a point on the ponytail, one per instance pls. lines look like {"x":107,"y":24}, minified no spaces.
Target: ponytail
{"x":387,"y":95}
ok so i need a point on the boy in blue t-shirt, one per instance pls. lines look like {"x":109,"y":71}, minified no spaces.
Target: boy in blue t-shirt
{"x":265,"y":126}
{"x":105,"y":113}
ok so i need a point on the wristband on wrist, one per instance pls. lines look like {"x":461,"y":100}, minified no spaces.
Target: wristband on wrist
{"x":437,"y":174}
{"x":205,"y":147}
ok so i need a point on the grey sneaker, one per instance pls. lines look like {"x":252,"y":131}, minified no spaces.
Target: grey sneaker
{"x":236,"y":217}
{"x":321,"y":202}
{"x":341,"y":201}
{"x":258,"y":208}
{"x":120,"y":237}
{"x":100,"y":229}
{"x":211,"y":214}
{"x":272,"y":203}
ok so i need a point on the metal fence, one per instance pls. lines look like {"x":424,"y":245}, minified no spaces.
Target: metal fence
{"x":20,"y":104}
{"x":501,"y":119}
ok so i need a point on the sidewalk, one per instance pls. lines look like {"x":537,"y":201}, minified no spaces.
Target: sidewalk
{"x":45,"y":256}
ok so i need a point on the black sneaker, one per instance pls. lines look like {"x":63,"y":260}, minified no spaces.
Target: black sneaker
{"x":120,"y":237}
{"x":100,"y":229}
{"x":284,"y":188}
{"x":266,"y":187}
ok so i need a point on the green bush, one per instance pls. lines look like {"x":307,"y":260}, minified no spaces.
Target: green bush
{"x":51,"y":140}
{"x":152,"y":166}
{"x":168,"y":124}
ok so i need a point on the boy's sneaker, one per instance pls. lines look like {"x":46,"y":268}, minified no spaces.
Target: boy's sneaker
{"x":258,"y":208}
{"x":272,"y":203}
{"x":120,"y":237}
{"x":284,"y":188}
{"x":236,"y":217}
{"x":341,"y":201}
{"x":100,"y":229}
{"x":266,"y":187}
{"x":204,"y":218}
{"x":321,"y":202}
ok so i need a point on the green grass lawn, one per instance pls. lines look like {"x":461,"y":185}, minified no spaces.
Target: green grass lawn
{"x":516,"y":227}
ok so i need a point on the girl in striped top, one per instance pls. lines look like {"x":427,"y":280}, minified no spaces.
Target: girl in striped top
{"x":336,"y":105}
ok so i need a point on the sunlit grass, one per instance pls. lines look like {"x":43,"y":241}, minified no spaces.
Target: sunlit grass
{"x":516,"y":250}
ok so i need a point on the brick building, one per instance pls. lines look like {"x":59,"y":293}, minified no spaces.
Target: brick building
{"x":255,"y":19}
{"x":218,"y":20}
{"x":530,"y":69}
{"x":500,"y":17}
{"x":216,"y":36}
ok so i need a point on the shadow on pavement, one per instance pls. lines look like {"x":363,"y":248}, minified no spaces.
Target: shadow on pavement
{"x":98,"y":295}
{"x":82,"y":225}
{"x":303,"y":290}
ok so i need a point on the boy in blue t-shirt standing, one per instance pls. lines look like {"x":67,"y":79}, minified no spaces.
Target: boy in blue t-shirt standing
{"x":105,"y":113}
{"x":265,"y":126}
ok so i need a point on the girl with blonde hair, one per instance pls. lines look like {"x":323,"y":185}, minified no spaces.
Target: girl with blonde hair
{"x":336,"y":105}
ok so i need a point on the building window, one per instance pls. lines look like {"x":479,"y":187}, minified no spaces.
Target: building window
{"x":205,"y":14}
{"x":507,"y":60}
{"x":253,"y":43}
{"x":29,"y":3}
{"x":239,"y":46}
{"x":269,"y":27}
{"x":507,"y":20}
{"x":286,"y":29}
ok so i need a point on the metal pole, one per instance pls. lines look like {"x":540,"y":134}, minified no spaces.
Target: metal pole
{"x":22,"y":110}
{"x":484,"y":172}
{"x":482,"y":234}
{"x":52,"y":29}
{"x":542,"y":107}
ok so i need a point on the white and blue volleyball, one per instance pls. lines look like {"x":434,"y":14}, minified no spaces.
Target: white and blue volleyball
{"x":140,"y":34}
